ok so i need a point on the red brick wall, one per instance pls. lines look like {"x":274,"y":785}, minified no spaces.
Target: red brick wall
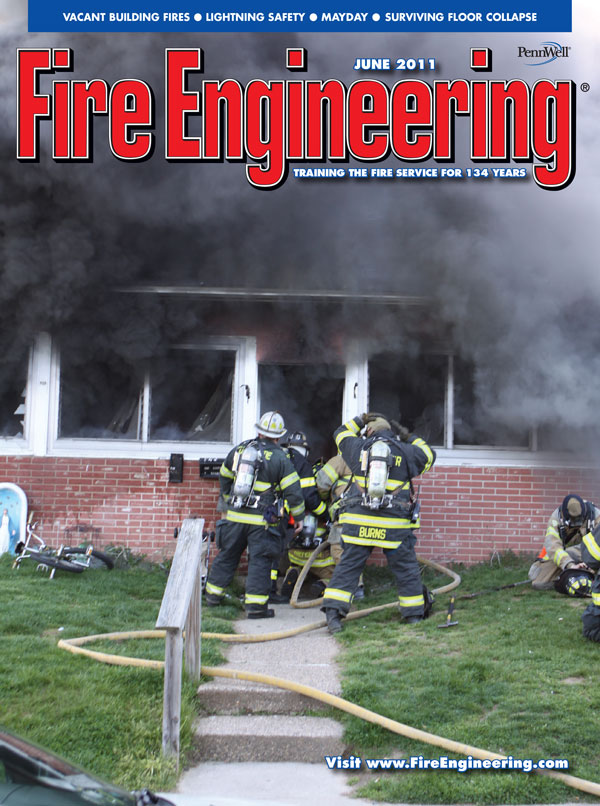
{"x":467,"y":513}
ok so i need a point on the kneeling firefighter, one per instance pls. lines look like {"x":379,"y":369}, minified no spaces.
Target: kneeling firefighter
{"x":378,"y":512}
{"x":255,"y":478}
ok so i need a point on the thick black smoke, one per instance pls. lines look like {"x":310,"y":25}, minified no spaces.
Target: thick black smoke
{"x":509,"y":269}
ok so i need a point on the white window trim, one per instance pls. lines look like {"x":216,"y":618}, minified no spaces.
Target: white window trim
{"x":244,"y":412}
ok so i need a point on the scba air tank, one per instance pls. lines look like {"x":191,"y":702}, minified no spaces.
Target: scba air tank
{"x":379,"y":457}
{"x":245,"y":473}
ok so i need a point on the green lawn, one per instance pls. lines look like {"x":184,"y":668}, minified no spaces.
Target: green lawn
{"x":515,"y":676}
{"x":106,"y":718}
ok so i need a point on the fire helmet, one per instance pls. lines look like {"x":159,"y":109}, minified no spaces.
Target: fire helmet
{"x":573,"y":510}
{"x":575,"y":582}
{"x":296,"y":439}
{"x":271,"y":425}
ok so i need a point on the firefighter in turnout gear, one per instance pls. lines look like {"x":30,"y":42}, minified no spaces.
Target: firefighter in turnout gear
{"x":378,"y":512}
{"x":333,"y":479}
{"x":590,"y":555}
{"x":304,"y":543}
{"x":255,"y":478}
{"x":568,"y":525}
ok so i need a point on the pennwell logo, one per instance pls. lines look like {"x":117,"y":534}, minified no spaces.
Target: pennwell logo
{"x":547,"y":52}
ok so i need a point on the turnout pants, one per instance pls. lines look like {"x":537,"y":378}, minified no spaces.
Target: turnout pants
{"x":402,"y":562}
{"x":544,"y":573}
{"x":264,"y":546}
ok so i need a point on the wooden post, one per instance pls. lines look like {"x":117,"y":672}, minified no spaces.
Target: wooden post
{"x":181,"y":606}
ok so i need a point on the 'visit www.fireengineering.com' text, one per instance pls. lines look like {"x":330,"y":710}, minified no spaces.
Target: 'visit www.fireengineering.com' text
{"x":444,"y":763}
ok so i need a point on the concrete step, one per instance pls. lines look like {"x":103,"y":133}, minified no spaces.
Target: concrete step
{"x":267,"y":738}
{"x":222,"y":696}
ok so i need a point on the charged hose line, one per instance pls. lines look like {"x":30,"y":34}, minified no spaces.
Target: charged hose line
{"x":74,"y":645}
{"x":315,"y":602}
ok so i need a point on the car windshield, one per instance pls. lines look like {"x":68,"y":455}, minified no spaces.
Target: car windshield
{"x":23,"y":767}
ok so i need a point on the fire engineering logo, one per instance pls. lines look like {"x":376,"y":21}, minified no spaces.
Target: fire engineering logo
{"x":548,"y":52}
{"x":274,"y":123}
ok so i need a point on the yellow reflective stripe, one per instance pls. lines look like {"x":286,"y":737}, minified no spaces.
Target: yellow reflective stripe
{"x":372,"y":541}
{"x":255,"y":598}
{"x":300,"y":558}
{"x":261,"y":486}
{"x":396,"y":485}
{"x":244,"y":517}
{"x":411,"y":601}
{"x":226,"y":472}
{"x":308,"y":482}
{"x":420,"y":443}
{"x":210,"y":588}
{"x":273,"y":574}
{"x":374,"y":520}
{"x":297,"y":511}
{"x":552,"y":532}
{"x":558,"y":555}
{"x":287,"y":481}
{"x":596,"y":598}
{"x":351,"y":430}
{"x":320,"y":509}
{"x":592,"y":546}
{"x":330,"y":473}
{"x":336,"y":593}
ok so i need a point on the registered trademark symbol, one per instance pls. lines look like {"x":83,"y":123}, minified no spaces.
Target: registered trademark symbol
{"x":585,"y":87}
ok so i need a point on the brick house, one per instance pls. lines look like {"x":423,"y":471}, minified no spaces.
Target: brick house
{"x":90,"y":437}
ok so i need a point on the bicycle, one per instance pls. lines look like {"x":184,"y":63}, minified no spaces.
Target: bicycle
{"x":66,"y":558}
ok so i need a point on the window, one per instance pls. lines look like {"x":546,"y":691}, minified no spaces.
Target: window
{"x":193,"y":394}
{"x":411,"y":390}
{"x":13,"y":396}
{"x":309,"y":397}
{"x":473,"y":426}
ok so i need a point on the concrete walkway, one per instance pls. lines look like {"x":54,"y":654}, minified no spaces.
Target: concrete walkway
{"x":255,"y":743}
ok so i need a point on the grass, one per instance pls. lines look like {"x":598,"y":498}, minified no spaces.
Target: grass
{"x":106,"y":718}
{"x":515,"y":676}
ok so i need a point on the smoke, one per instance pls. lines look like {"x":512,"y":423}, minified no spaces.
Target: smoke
{"x":509,"y":270}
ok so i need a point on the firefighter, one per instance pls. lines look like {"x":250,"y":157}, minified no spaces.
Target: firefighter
{"x":305,"y":542}
{"x":333,"y":479}
{"x":590,"y":555}
{"x":568,"y":525}
{"x":255,"y":478}
{"x":378,"y":512}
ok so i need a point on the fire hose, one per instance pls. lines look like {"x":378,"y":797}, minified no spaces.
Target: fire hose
{"x":75,"y":645}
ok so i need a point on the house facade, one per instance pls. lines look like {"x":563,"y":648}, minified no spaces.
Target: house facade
{"x":129,"y":448}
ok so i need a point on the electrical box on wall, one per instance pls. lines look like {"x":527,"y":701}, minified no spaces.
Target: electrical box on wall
{"x":176,"y":468}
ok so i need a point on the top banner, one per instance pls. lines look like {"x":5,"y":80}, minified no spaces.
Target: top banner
{"x":296,"y":16}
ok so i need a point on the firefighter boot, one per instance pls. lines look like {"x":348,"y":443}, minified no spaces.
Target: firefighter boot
{"x":212,"y":600}
{"x":287,"y":586}
{"x":259,"y":611}
{"x":334,"y":620}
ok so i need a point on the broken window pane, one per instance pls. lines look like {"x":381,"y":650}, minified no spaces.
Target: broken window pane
{"x":309,"y":397}
{"x":99,"y":398}
{"x":13,"y":386}
{"x":410,"y":389}
{"x":191,"y":395}
{"x":473,"y":425}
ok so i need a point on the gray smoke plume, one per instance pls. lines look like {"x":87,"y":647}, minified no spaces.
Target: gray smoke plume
{"x":509,"y":270}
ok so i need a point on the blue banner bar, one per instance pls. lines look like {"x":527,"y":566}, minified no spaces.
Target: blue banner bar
{"x":242,"y":15}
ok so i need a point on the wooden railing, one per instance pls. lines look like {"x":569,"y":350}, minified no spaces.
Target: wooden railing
{"x":180,"y":612}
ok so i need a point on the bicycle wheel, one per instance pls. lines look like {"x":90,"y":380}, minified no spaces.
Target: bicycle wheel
{"x":54,"y":562}
{"x":97,"y":559}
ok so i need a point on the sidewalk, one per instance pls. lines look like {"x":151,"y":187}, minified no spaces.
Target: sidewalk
{"x":275,"y":755}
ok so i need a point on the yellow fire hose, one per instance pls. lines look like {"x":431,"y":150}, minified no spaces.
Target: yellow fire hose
{"x":74,"y":645}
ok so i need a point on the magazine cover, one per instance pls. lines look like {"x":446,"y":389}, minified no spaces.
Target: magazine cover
{"x":222,"y":218}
